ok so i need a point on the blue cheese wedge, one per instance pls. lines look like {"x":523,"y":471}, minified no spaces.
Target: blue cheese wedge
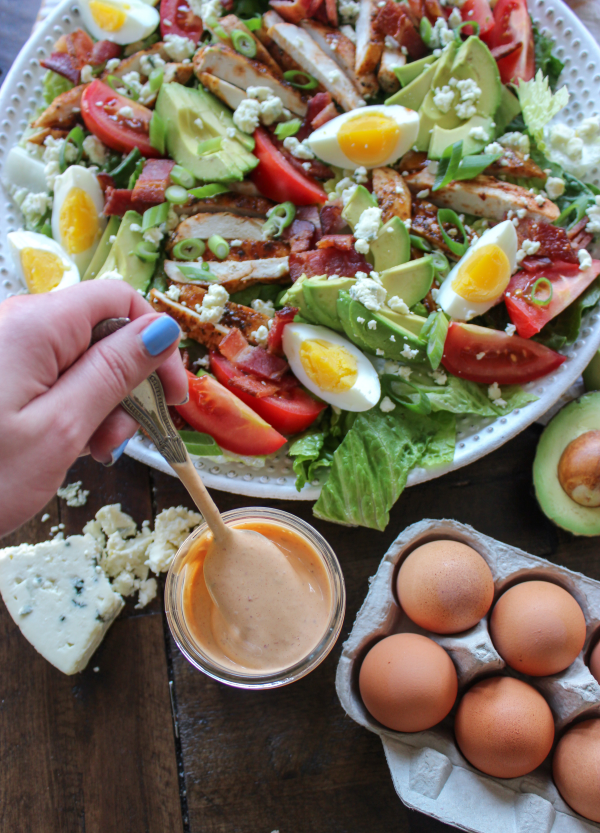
{"x":60,"y":598}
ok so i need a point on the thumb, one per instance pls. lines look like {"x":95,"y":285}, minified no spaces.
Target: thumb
{"x":93,"y":387}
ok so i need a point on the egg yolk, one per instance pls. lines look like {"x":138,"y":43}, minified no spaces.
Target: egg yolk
{"x":369,"y":139}
{"x":42,"y":270}
{"x":331,"y":367}
{"x":78,"y":222}
{"x":483,"y":276}
{"x":108,"y":17}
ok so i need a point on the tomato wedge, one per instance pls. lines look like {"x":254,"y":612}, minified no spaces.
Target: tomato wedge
{"x":276,"y":179}
{"x":513,"y":26}
{"x":100,"y":107}
{"x":568,"y":282}
{"x":508,"y":360}
{"x":214,"y":410}
{"x":176,"y":18}
{"x":477,"y":11}
{"x":290,"y":412}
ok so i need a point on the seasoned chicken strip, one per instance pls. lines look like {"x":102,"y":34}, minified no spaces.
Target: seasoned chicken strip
{"x":393,"y":194}
{"x":134,"y":62}
{"x":227,"y":64}
{"x":302,"y":48}
{"x":228,"y":226}
{"x":231,"y":22}
{"x":369,"y":43}
{"x":341,"y":50}
{"x":484,"y":196}
{"x":270,"y":270}
{"x":390,"y":60}
{"x":238,"y":204}
{"x":229,"y":94}
{"x":64,"y":112}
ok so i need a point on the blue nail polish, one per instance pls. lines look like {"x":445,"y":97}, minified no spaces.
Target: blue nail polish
{"x":116,"y":453}
{"x":160,"y":334}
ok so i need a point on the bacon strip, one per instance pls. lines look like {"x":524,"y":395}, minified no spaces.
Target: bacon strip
{"x":295,"y":10}
{"x":332,"y":221}
{"x":330,"y":261}
{"x":254,"y":387}
{"x":253,"y":360}
{"x":103,"y":51}
{"x":153,"y":181}
{"x":300,"y":235}
{"x":317,"y":104}
{"x":62,"y":64}
{"x":554,"y":242}
{"x":282,"y":317}
{"x":120,"y":200}
{"x":343,"y":242}
{"x":394,"y":20}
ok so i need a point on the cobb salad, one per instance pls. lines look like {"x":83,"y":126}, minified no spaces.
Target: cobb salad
{"x":365,"y":216}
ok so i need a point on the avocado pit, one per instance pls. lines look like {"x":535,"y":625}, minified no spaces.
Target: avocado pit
{"x":579,"y":469}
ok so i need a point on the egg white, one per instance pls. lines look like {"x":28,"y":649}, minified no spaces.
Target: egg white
{"x":140,"y":21}
{"x":324,"y":141}
{"x":24,"y":170}
{"x":365,"y":392}
{"x":504,"y":236}
{"x":20,"y":240}
{"x":77,"y":177}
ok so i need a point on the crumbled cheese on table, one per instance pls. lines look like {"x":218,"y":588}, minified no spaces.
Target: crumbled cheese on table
{"x":73,"y":494}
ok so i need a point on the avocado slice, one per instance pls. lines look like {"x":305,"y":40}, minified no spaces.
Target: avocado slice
{"x":348,"y":313}
{"x":409,"y":322}
{"x":360,"y":200}
{"x":294,"y":297}
{"x":442,"y":139}
{"x":475,"y":61}
{"x":409,"y":72}
{"x":413,"y":94}
{"x":373,"y":331}
{"x":321,"y":295}
{"x":409,"y":281}
{"x":193,"y":116}
{"x":392,"y":245}
{"x":122,"y":257}
{"x":508,"y":109}
{"x":591,"y":375}
{"x":103,"y":249}
{"x":571,"y":422}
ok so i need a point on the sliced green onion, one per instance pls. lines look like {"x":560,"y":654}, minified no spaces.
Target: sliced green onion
{"x":447,"y":215}
{"x":416,"y":401}
{"x":218,"y":30}
{"x":579,"y":206}
{"x":541,"y":302}
{"x":280,"y":217}
{"x":190,"y":249}
{"x":210,"y":146}
{"x":426,"y":32}
{"x":288,"y":128}
{"x":293,"y":74}
{"x":156,"y":78}
{"x":176,"y":194}
{"x":155,"y":216}
{"x":210,"y":190}
{"x":254,"y":23}
{"x":158,"y":132}
{"x":244,"y":43}
{"x":114,"y":81}
{"x":420,"y":243}
{"x":440,"y":262}
{"x":475,"y":164}
{"x":45,"y":229}
{"x":125,"y":168}
{"x":473,"y":23}
{"x":139,"y":167}
{"x":75,"y":138}
{"x":197,"y":272}
{"x":448,"y":166}
{"x":435,"y":330}
{"x":146,"y":252}
{"x":181,"y":176}
{"x":218,"y":246}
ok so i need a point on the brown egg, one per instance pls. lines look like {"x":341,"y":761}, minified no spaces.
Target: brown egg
{"x":537,"y":628}
{"x":579,"y":469}
{"x":408,"y":683}
{"x":576,"y":768}
{"x":445,"y":586}
{"x":595,"y":662}
{"x":504,"y":727}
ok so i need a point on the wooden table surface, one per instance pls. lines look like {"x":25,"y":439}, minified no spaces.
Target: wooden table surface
{"x":149,"y":745}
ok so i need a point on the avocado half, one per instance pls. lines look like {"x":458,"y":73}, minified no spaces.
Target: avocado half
{"x":574,"y":420}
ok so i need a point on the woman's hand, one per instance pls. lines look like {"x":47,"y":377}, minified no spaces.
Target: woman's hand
{"x":59,"y":399}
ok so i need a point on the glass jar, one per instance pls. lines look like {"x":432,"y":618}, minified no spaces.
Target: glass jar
{"x":182,"y":634}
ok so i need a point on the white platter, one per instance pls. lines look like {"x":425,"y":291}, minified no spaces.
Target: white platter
{"x":21,"y":94}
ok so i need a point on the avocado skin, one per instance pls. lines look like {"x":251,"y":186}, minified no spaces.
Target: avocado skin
{"x":370,"y":340}
{"x":321,"y":296}
{"x":410,"y":281}
{"x":574,"y":419}
{"x":392,"y":245}
{"x":103,"y":249}
{"x":122,"y":258}
{"x":180,"y":107}
{"x":591,"y":375}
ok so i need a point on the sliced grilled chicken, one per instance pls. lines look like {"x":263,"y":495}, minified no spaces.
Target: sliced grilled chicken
{"x":245,"y":250}
{"x":232,"y":96}
{"x":390,"y":60}
{"x":40,"y":137}
{"x":369,"y":43}
{"x":483,"y":196}
{"x":425,"y":224}
{"x":210,"y":335}
{"x":236,"y":275}
{"x":393,"y":194}
{"x":134,"y":62}
{"x":64,"y":112}
{"x":233,"y":203}
{"x":227,"y":64}
{"x":231,"y":22}
{"x":341,"y":50}
{"x":303,"y":49}
{"x":512,"y":163}
{"x":229,"y":226}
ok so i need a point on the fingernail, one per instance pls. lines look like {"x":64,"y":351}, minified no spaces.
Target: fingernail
{"x":160,"y":334}
{"x":115,"y":454}
{"x":186,"y":400}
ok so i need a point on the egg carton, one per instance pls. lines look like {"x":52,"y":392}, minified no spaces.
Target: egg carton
{"x":428,"y":770}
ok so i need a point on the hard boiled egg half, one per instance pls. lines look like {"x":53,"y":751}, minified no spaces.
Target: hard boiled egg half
{"x":369,"y":136}
{"x":332,"y":368}
{"x":120,"y":21}
{"x":479,"y":279}
{"x":40,"y":262}
{"x":77,"y":220}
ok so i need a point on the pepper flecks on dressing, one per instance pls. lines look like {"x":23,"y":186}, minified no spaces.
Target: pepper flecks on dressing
{"x":266,"y":617}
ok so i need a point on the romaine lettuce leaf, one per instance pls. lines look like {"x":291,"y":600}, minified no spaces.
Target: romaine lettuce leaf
{"x":53,"y":85}
{"x":545,"y":60}
{"x":539,"y":105}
